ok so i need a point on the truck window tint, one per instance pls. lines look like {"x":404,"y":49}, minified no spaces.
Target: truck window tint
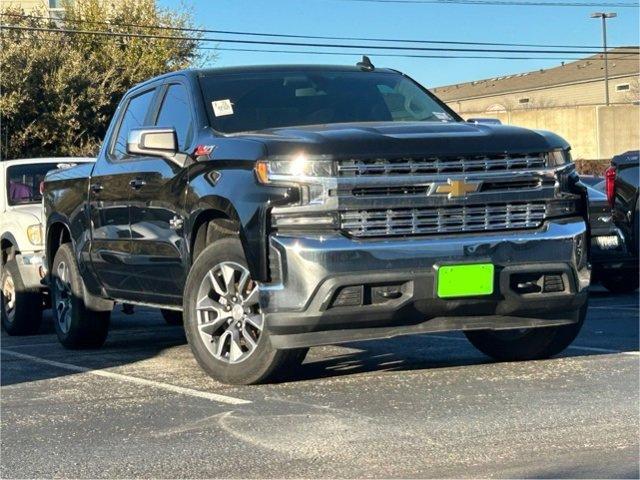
{"x":134,"y":116}
{"x":259,"y":101}
{"x":175,"y":112}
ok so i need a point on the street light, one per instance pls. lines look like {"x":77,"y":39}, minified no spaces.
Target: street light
{"x":604,"y":17}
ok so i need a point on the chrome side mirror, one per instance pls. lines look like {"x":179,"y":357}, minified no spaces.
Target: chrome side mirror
{"x":156,"y":142}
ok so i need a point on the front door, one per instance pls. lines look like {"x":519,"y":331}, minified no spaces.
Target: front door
{"x":158,"y":249}
{"x":109,"y":194}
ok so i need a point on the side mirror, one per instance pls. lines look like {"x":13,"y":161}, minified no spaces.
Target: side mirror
{"x":156,"y":142}
{"x":486,"y":121}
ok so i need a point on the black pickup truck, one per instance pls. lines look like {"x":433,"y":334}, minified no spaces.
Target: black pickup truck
{"x":619,"y":270}
{"x":284,"y":207}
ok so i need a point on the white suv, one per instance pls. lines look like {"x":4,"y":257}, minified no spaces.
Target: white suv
{"x":21,"y":242}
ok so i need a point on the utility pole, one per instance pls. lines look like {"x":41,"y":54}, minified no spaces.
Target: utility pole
{"x":604,"y":17}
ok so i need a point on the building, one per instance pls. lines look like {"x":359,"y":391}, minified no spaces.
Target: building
{"x":572,"y":84}
{"x":51,"y":7}
{"x":568,"y":99}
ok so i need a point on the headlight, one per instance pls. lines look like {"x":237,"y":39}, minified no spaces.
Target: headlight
{"x":557,"y":158}
{"x":298,"y":168}
{"x":34,"y":233}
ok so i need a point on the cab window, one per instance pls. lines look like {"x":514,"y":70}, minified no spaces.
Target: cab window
{"x":175,"y":113}
{"x":134,"y":116}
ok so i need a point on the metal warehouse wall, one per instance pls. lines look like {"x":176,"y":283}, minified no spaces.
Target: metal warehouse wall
{"x":594,"y":132}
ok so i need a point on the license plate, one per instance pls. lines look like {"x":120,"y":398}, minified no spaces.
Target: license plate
{"x":465,"y":280}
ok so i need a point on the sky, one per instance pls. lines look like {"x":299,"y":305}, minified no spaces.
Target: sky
{"x":474,"y":23}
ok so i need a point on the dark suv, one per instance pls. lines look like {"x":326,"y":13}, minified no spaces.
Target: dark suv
{"x":290,"y":206}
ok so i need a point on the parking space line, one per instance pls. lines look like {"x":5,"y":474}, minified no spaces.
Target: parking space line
{"x":602,"y":350}
{"x":126,"y":378}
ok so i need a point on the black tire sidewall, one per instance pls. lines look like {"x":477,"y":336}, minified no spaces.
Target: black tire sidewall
{"x":264,"y":361}
{"x":28,"y":309}
{"x":624,"y":282}
{"x":538,"y":343}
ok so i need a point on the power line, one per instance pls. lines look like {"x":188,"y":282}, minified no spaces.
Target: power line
{"x":508,"y":3}
{"x":313,"y":37}
{"x":290,"y":44}
{"x":380,"y":55}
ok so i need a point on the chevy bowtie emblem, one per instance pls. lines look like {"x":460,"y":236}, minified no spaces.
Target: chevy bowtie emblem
{"x":458,"y":188}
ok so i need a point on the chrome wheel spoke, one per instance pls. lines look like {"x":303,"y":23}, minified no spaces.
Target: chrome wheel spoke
{"x":252,"y":298}
{"x":229,"y":276}
{"x":209,"y":327}
{"x":208,"y":304}
{"x":256,"y":320}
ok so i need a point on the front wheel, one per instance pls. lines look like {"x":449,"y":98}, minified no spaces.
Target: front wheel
{"x":527,"y":343}
{"x":223,"y":322}
{"x":21,"y":307}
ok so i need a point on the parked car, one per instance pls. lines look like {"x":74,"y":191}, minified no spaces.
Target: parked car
{"x":621,"y":189}
{"x":285,"y":207}
{"x":21,"y":240}
{"x":608,"y":247}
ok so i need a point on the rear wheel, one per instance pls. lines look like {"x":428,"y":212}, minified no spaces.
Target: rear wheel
{"x":223,"y":322}
{"x":527,"y":343}
{"x":623,"y":282}
{"x":21,"y":308}
{"x":172,"y":317}
{"x":76,"y":325}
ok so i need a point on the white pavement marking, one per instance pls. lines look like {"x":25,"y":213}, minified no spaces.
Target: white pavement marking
{"x":573,"y":347}
{"x":126,"y":378}
{"x":602,"y":350}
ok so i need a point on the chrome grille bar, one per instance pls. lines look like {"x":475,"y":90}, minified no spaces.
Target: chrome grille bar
{"x":437,"y":165}
{"x":454,"y":219}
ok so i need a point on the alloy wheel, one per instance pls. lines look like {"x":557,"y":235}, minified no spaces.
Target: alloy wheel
{"x":229,"y":319}
{"x":9,"y":298}
{"x":63,"y":296}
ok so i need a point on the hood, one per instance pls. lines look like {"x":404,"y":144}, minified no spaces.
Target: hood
{"x":27,"y":214}
{"x":405,"y":138}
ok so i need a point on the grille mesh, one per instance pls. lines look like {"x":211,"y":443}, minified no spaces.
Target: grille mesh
{"x":440,"y":165}
{"x":450,"y":219}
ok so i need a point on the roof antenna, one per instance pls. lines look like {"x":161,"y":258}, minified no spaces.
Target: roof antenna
{"x":366,"y":64}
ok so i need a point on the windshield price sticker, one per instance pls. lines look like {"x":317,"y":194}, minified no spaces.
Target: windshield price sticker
{"x":442,"y":116}
{"x":222,"y":107}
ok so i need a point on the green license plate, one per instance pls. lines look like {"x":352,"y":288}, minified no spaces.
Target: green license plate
{"x":465,"y":280}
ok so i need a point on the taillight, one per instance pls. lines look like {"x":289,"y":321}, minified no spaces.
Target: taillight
{"x":610,"y":185}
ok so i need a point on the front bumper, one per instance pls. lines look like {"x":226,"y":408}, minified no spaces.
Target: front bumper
{"x":30,"y":267}
{"x":396,"y":282}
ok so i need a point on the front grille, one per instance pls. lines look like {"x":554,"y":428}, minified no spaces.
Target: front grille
{"x":440,"y":220}
{"x":440,"y":165}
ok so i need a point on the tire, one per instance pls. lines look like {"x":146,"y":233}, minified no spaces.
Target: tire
{"x":171,"y":317}
{"x":76,"y":325}
{"x":623,"y":282}
{"x":231,"y":346}
{"x":526,"y":344}
{"x":21,"y":308}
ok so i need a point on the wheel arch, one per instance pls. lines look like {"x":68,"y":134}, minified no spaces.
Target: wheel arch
{"x":58,"y":233}
{"x":7,"y":243}
{"x":249,"y":231}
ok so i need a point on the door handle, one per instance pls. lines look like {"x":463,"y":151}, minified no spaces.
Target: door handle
{"x":96,"y":187}
{"x":137,"y":183}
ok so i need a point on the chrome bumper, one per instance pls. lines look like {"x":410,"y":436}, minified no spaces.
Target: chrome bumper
{"x":314,"y":268}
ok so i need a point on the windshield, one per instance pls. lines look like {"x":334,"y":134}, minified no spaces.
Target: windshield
{"x":258,"y":101}
{"x":23,"y":182}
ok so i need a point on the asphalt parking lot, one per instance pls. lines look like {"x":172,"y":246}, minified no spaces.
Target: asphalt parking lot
{"x":421,"y":406}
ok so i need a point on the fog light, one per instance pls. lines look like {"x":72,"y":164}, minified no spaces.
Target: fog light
{"x":348,"y":297}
